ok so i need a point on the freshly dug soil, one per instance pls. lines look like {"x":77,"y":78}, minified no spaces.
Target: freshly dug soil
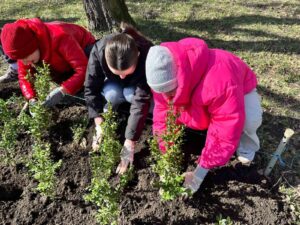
{"x":234,"y":191}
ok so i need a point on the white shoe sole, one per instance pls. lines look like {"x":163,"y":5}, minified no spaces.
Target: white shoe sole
{"x":244,"y":160}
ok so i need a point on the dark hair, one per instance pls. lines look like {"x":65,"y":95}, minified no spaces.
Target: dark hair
{"x":121,"y":51}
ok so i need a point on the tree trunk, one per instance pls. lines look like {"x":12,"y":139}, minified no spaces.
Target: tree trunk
{"x":104,"y":15}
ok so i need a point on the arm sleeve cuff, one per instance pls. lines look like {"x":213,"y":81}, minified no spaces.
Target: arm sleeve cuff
{"x":200,"y":172}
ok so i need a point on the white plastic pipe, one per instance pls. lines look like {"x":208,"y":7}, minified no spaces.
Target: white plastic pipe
{"x":280,"y":149}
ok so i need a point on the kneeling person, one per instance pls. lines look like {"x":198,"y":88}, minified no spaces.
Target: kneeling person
{"x":64,"y":46}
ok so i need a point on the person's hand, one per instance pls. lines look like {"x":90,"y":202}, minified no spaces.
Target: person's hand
{"x":97,"y":138}
{"x":54,"y":97}
{"x":98,"y":120}
{"x":194,"y":179}
{"x":127,"y":155}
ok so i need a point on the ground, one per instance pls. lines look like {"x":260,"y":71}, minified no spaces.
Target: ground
{"x":235,"y":191}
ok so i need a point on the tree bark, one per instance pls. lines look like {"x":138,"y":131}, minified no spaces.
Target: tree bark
{"x":104,"y":15}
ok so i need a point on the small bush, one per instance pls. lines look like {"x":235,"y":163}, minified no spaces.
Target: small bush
{"x":168,"y":165}
{"x":40,"y":164}
{"x":9,"y":126}
{"x":101,"y":192}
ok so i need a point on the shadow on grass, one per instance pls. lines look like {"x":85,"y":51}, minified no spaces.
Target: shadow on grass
{"x":288,"y":102}
{"x":272,"y":5}
{"x":34,"y":8}
{"x":227,"y":25}
{"x":3,"y":22}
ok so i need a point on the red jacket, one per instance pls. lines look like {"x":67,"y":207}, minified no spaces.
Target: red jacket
{"x":62,"y":47}
{"x":212,"y":84}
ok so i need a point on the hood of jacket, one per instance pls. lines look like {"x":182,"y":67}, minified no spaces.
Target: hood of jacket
{"x":42,"y":34}
{"x":191,"y":58}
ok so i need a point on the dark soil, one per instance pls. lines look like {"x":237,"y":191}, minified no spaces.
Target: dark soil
{"x":234,"y":191}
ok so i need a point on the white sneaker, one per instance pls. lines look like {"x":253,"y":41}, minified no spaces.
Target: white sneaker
{"x":244,"y":160}
{"x":245,"y":156}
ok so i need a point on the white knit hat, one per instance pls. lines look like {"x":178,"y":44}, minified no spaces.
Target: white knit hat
{"x":161,"y":70}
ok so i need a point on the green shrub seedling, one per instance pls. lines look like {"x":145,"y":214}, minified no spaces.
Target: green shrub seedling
{"x":9,"y":126}
{"x":102,"y":193}
{"x":40,"y":164}
{"x":168,"y":165}
{"x":78,"y":129}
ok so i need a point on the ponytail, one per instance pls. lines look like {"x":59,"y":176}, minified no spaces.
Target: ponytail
{"x":133,"y":32}
{"x":121,"y":51}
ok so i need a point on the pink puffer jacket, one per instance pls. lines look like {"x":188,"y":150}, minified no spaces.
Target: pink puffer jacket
{"x":210,"y":95}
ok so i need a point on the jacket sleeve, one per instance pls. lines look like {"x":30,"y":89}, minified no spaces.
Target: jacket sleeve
{"x":26,"y":87}
{"x":225,"y":129}
{"x":138,"y":111}
{"x":73,"y":53}
{"x":94,"y":81}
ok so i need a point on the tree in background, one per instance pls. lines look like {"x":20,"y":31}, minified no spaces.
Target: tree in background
{"x":104,"y":15}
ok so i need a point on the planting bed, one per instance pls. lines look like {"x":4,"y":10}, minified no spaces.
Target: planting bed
{"x":234,"y":191}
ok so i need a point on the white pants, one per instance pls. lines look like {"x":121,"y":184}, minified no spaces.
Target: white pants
{"x":249,"y":143}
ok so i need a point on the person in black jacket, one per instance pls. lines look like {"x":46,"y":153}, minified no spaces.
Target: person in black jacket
{"x":116,"y":70}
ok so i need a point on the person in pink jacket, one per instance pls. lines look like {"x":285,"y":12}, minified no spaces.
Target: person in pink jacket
{"x":213,"y":90}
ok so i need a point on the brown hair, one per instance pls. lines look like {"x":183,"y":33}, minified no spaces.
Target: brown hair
{"x":121,"y":51}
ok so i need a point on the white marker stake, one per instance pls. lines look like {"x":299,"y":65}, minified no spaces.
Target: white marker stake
{"x":280,"y":149}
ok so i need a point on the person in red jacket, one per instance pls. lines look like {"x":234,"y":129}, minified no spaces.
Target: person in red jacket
{"x":64,"y":46}
{"x":213,"y":90}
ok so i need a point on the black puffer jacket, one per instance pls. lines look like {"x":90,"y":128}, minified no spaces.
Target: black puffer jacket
{"x":98,"y":71}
